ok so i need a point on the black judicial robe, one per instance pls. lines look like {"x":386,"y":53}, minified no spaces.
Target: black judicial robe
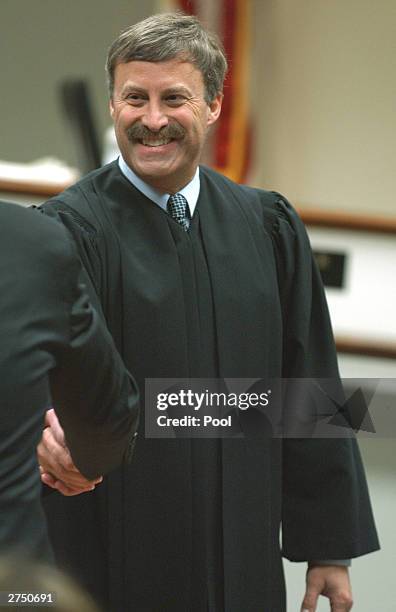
{"x":193,"y":525}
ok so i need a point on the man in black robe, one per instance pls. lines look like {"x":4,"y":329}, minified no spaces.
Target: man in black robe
{"x":218,"y":281}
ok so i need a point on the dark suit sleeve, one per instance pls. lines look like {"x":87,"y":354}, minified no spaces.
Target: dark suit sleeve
{"x":326,"y":507}
{"x":93,"y":394}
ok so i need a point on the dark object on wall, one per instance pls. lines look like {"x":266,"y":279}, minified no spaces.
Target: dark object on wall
{"x":77,"y":108}
{"x":332,"y":268}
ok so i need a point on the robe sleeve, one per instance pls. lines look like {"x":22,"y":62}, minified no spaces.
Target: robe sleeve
{"x":326,"y":511}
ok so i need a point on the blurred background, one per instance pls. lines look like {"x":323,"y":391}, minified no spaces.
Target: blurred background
{"x":311,"y":112}
{"x":322,"y":99}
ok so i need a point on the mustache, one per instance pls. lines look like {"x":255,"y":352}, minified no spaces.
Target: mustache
{"x":138,"y":131}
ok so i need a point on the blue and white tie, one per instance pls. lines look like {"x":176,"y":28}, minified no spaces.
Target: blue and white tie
{"x":177,"y":208}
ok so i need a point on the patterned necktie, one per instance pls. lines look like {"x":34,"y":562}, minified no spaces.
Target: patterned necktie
{"x":177,"y":208}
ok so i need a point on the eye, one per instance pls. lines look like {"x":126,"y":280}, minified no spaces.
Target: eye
{"x":135,"y":99}
{"x":175,"y":99}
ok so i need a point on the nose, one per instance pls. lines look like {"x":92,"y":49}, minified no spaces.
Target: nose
{"x":154,"y":117}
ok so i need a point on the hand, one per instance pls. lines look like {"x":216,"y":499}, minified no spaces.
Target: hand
{"x":332,"y":581}
{"x":56,"y":465}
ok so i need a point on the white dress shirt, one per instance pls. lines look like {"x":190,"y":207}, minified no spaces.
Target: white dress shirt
{"x":190,"y":191}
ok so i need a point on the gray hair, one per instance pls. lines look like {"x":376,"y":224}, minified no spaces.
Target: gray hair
{"x":166,"y":36}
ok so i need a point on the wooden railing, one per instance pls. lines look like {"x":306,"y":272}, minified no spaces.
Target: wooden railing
{"x":317,"y":217}
{"x":30,"y":188}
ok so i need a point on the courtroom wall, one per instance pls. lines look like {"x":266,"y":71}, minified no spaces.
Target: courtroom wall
{"x":325,"y":89}
{"x":41,"y":43}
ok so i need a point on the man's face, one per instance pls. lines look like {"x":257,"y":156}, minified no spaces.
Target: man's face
{"x":161,"y":120}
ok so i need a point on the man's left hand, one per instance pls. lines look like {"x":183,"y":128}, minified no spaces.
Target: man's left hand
{"x":331,"y":581}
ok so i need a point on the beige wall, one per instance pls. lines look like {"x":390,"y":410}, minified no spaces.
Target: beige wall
{"x":42,"y":42}
{"x":326,"y":93}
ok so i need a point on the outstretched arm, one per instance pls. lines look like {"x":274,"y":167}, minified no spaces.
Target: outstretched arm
{"x":95,"y":398}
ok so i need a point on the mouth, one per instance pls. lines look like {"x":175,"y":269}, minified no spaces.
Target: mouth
{"x":138,"y":133}
{"x":155,"y":142}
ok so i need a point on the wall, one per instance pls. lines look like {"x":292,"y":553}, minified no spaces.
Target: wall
{"x":324,"y":90}
{"x":41,"y":43}
{"x":326,"y":94}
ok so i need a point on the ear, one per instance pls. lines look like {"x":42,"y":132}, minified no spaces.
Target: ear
{"x":215,"y":109}
{"x":111,"y":107}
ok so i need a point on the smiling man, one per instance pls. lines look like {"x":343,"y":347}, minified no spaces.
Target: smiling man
{"x":199,"y":277}
{"x":161,"y":119}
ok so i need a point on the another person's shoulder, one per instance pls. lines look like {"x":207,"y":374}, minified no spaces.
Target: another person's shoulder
{"x":27,"y":227}
{"x":34,"y":243}
{"x":37,"y":250}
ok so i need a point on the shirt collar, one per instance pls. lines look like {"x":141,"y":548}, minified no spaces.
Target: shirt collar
{"x":190,"y":191}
